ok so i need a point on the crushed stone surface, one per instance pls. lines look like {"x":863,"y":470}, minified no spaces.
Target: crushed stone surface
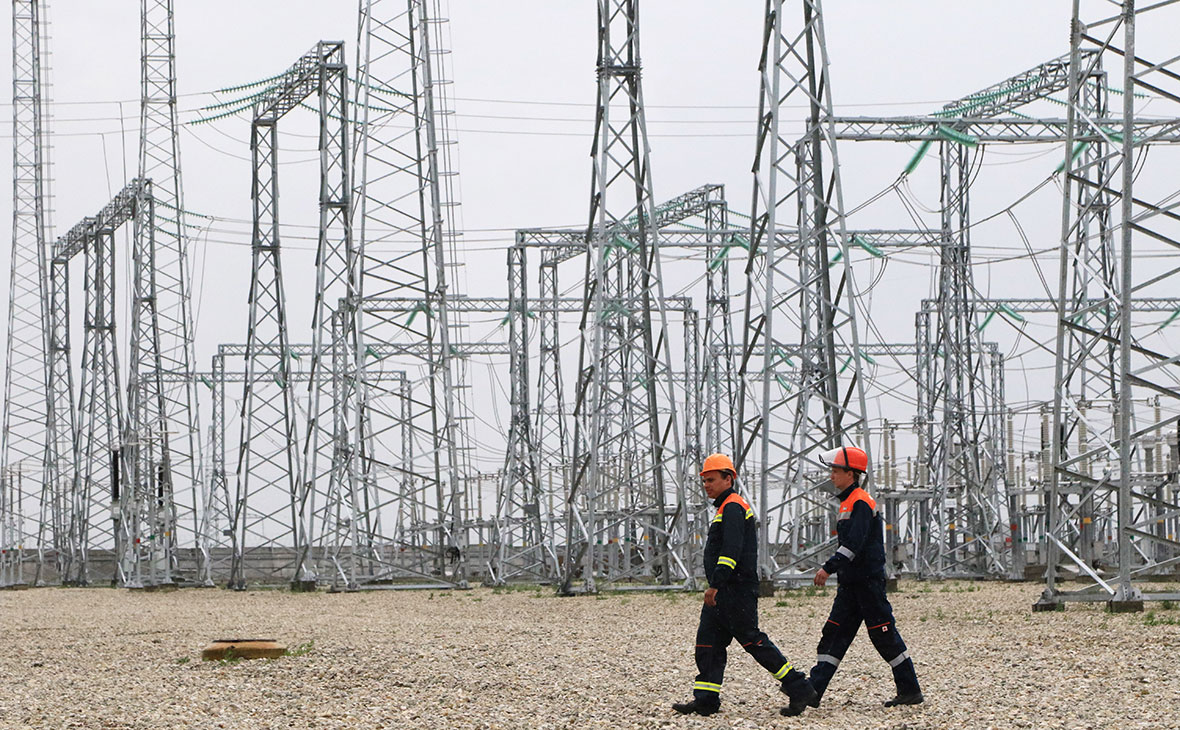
{"x":524,"y":658}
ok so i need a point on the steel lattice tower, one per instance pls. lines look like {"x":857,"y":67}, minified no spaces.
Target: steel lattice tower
{"x":820,"y":403}
{"x":275,"y":488}
{"x":960,"y":390}
{"x":1099,"y":441}
{"x":518,"y":552}
{"x":519,"y":540}
{"x":94,"y":439}
{"x":25,"y":479}
{"x":165,"y":424}
{"x":961,"y":434}
{"x":405,"y":206}
{"x":627,"y":481}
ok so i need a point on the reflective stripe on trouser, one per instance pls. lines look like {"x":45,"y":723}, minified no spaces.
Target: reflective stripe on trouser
{"x":734,"y":617}
{"x":856,"y":603}
{"x":895,"y":661}
{"x":782,"y":672}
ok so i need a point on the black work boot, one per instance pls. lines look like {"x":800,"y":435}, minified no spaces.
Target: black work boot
{"x":913,"y":698}
{"x":803,"y":695}
{"x":694,"y":706}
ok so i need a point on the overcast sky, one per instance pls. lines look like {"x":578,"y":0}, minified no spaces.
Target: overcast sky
{"x":524,"y":84}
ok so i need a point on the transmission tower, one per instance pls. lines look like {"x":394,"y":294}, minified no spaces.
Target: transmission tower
{"x":99,"y":449}
{"x":550,"y":413}
{"x":961,"y":434}
{"x":718,"y":371}
{"x":404,"y":195}
{"x":1116,"y":212}
{"x":785,"y":421}
{"x":166,"y":441}
{"x":274,"y":496}
{"x":959,"y":419}
{"x":520,"y":530}
{"x":25,"y":479}
{"x":627,"y":481}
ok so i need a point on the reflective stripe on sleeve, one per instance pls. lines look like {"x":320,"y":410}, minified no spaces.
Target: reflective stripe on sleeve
{"x":899,"y":658}
{"x":846,"y":553}
{"x":727,"y":561}
{"x":828,"y":658}
{"x":706,"y":686}
{"x":783,"y":672}
{"x":749,"y":514}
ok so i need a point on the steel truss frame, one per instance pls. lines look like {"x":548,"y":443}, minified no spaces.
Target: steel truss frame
{"x":99,"y":437}
{"x":404,"y":190}
{"x":527,"y":534}
{"x":162,"y":393}
{"x":331,"y":555}
{"x":264,"y":475}
{"x":823,"y":404}
{"x":30,"y":492}
{"x":626,"y":430}
{"x":550,"y":416}
{"x":527,"y":528}
{"x":1114,"y":209}
{"x":960,"y":422}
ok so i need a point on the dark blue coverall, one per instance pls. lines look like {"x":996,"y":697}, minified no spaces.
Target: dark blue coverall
{"x":731,"y":566}
{"x":860,"y":597}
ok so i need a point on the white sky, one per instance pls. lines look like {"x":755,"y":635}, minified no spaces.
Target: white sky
{"x":532,"y":61}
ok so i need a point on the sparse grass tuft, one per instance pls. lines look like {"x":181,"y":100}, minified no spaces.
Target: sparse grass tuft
{"x":301,"y":650}
{"x":1152,"y":619}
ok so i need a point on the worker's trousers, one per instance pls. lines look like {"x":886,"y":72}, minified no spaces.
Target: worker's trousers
{"x":735,"y":617}
{"x":857,"y":602}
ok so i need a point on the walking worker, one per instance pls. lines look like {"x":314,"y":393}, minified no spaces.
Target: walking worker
{"x":859,"y":562}
{"x":730,"y":610}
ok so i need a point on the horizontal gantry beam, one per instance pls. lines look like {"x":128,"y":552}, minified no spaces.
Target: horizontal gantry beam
{"x":299,"y":81}
{"x":1159,"y":305}
{"x":121,"y":209}
{"x":931,"y":128}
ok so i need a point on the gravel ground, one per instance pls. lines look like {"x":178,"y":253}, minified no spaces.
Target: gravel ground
{"x":105,"y":658}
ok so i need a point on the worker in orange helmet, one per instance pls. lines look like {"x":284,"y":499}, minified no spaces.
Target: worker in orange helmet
{"x":859,"y":561}
{"x":731,"y":601}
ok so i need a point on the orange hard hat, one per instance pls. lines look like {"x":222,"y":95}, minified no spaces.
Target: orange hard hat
{"x":718,"y":462}
{"x":847,"y":457}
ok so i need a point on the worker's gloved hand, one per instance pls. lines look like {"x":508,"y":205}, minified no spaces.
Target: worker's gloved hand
{"x":822,"y":577}
{"x":710,"y":597}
